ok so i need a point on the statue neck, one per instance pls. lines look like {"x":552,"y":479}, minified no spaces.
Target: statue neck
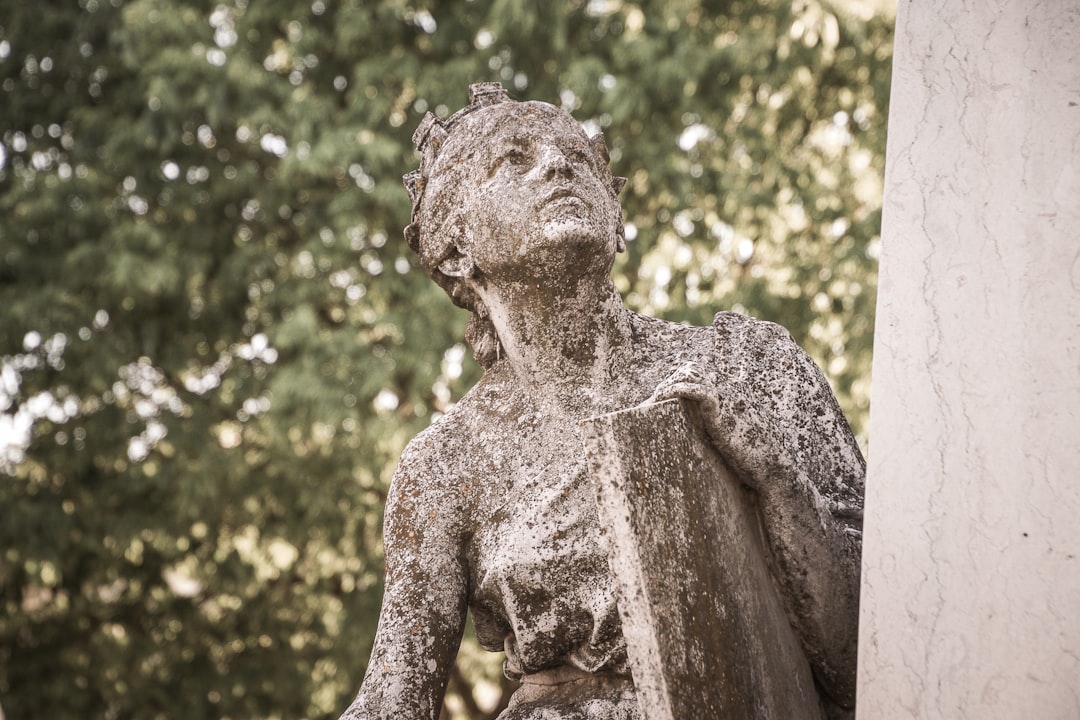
{"x":563,"y":347}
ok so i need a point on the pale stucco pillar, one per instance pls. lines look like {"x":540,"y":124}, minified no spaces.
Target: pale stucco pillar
{"x":971,"y":567}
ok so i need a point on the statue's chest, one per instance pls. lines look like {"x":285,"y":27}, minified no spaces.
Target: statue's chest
{"x":542,"y":528}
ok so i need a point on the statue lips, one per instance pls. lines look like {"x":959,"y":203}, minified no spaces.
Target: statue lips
{"x":565,"y":197}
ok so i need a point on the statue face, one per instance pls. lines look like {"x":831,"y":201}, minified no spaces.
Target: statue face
{"x":525,"y":192}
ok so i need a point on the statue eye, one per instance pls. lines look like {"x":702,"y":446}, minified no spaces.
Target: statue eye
{"x":579,"y":155}
{"x":514,"y":157}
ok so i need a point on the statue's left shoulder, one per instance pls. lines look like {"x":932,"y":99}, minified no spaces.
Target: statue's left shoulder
{"x":762,"y":357}
{"x":774,"y":394}
{"x":751,"y":343}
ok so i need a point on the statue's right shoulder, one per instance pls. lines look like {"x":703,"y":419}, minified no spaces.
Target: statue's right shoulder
{"x":446,"y":464}
{"x":424,"y":501}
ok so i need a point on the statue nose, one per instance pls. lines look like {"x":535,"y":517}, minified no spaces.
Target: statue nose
{"x":556,"y":163}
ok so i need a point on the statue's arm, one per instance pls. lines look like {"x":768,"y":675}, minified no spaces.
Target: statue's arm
{"x":780,"y":425}
{"x":424,"y":604}
{"x":772,"y":416}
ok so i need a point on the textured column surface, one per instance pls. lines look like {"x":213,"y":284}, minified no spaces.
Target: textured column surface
{"x":971,"y":556}
{"x":705,"y":629}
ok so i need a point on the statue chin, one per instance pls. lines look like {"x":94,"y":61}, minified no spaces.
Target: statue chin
{"x":575,"y":227}
{"x":575,"y":232}
{"x":569,"y":250}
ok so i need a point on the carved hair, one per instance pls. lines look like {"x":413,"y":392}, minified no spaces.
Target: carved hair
{"x":435,"y":245}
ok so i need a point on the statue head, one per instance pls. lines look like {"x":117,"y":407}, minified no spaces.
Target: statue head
{"x":500,"y":184}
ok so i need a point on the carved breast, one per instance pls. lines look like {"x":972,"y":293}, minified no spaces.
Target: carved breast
{"x":542,"y":589}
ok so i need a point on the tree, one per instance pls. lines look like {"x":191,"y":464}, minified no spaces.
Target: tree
{"x":214,"y":342}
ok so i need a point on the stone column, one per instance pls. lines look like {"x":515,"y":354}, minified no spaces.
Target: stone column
{"x":971,"y":556}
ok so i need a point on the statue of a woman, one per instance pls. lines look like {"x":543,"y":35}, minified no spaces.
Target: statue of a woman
{"x":516,"y":216}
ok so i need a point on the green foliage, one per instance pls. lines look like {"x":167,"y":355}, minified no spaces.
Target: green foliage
{"x":214,"y":342}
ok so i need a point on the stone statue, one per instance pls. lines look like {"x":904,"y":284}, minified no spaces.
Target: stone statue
{"x":516,"y":216}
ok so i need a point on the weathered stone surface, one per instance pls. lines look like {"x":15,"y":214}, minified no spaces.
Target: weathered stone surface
{"x":492,"y":509}
{"x":705,"y":627}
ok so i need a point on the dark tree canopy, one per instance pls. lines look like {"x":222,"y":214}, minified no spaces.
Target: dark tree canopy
{"x":214,"y":342}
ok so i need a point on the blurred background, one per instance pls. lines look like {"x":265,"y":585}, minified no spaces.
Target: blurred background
{"x":214,"y":342}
